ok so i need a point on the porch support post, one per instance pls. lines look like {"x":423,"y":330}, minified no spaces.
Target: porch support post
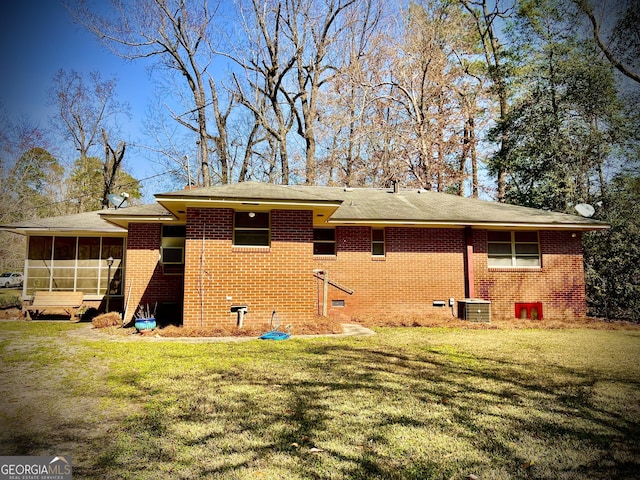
{"x":470,"y":282}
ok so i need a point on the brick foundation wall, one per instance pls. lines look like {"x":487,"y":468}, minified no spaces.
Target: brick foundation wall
{"x":559,"y":283}
{"x":219,"y":275}
{"x":145,"y":278}
{"x":420,"y":266}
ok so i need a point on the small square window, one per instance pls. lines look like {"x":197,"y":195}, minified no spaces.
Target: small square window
{"x":251,"y":229}
{"x":324,"y":241}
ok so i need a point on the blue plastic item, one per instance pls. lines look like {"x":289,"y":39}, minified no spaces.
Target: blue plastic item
{"x":275,"y":335}
{"x":145,"y":324}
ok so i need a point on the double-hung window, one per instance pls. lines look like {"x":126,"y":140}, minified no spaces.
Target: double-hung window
{"x":251,"y":229}
{"x":377,"y":242}
{"x":513,"y":249}
{"x":172,"y":244}
{"x":324,"y":241}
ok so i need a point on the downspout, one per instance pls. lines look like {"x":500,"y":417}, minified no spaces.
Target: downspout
{"x":469,"y":287}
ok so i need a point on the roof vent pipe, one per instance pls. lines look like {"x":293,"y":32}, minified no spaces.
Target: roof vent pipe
{"x":396,"y":186}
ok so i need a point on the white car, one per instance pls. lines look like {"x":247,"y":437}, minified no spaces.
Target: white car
{"x":10,"y":279}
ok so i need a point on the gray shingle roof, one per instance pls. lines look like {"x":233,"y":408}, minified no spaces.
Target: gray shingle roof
{"x":152,"y":212}
{"x":352,"y":205}
{"x":85,"y":222}
{"x":149,"y":210}
{"x":411,"y":206}
{"x":256,"y":191}
{"x":434,"y":207}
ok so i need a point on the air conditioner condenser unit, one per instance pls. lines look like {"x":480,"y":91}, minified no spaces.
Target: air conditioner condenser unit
{"x":474,"y":310}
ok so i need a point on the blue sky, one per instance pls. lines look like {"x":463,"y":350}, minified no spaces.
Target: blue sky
{"x":38,"y":38}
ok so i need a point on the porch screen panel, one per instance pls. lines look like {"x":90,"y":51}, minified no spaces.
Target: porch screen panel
{"x":114,"y":248}
{"x":88,"y":264}
{"x":39,"y":263}
{"x":75,"y":264}
{"x":64,"y":263}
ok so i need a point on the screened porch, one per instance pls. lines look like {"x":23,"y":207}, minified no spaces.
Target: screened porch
{"x":76,"y":264}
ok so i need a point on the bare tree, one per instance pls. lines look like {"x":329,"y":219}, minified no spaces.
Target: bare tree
{"x":112,"y":160}
{"x":425,"y":77}
{"x":352,"y":124}
{"x":295,"y":49}
{"x":86,"y":112}
{"x":267,"y":64}
{"x":313,"y":31}
{"x":82,"y":109}
{"x":178,"y":35}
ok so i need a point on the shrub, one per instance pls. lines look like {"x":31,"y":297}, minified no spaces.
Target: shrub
{"x":11,"y":300}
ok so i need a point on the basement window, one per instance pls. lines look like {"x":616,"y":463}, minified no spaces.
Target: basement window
{"x":513,"y":249}
{"x":251,"y":229}
{"x":324,"y":241}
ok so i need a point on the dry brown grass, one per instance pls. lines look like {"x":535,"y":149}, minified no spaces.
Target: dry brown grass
{"x":322,"y":325}
{"x":416,"y":320}
{"x":111,"y":319}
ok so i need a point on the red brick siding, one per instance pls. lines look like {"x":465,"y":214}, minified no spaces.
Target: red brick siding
{"x":421,"y":265}
{"x":145,"y":278}
{"x":559,"y":283}
{"x":278,"y":277}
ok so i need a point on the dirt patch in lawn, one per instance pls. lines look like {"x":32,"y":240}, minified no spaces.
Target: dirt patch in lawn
{"x":45,"y":408}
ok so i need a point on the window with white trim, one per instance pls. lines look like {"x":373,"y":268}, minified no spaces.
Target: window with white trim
{"x":251,"y":229}
{"x":513,"y":249}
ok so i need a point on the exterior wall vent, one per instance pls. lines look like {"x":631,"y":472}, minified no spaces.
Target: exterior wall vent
{"x":172,"y":255}
{"x":529,"y":311}
{"x":474,"y":310}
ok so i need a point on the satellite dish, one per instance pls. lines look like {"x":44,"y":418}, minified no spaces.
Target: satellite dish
{"x":585,"y":210}
{"x":118,"y":201}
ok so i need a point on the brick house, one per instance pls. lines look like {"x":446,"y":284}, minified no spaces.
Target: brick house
{"x":305,"y":251}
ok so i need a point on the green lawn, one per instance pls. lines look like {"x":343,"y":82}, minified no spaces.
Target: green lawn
{"x":407,"y":403}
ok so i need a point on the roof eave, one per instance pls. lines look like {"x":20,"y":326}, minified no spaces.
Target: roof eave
{"x":477,"y":224}
{"x":177,"y":205}
{"x":124,"y":220}
{"x":66,"y":230}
